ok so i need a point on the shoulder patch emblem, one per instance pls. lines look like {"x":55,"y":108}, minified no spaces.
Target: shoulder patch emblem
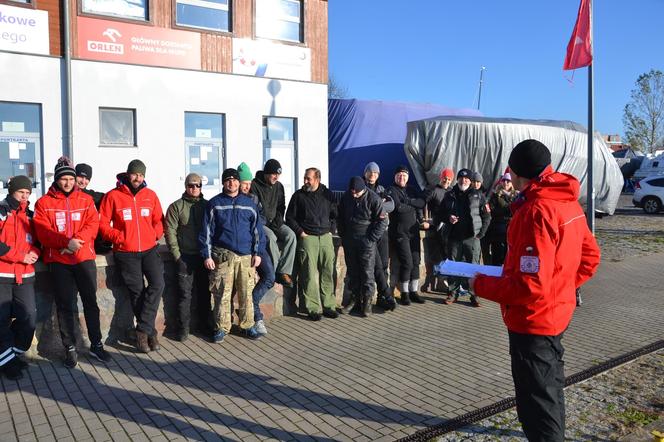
{"x":529,"y":264}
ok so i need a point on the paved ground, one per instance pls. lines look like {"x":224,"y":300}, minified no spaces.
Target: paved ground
{"x":345,"y":379}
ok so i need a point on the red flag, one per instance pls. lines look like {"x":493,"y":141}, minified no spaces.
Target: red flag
{"x":579,"y":48}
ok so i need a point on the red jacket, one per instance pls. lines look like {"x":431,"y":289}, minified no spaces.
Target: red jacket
{"x":550,"y":253}
{"x":16,"y":240}
{"x":136,"y":219}
{"x":59,"y":218}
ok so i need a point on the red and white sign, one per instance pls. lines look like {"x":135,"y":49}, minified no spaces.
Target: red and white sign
{"x":127,"y":43}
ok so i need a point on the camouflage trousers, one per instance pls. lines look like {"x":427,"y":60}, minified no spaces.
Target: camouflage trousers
{"x":232,"y":273}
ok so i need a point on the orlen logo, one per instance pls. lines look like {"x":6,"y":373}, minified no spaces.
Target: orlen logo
{"x":106,"y":47}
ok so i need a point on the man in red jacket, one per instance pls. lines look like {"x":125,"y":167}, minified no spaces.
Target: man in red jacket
{"x":66,"y":224}
{"x":551,"y":252}
{"x":131,"y":218}
{"x":17,"y":277}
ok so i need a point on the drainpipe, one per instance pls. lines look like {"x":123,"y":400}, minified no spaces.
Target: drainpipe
{"x":67,"y":138}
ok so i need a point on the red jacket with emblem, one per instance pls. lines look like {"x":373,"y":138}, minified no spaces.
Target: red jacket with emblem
{"x":133,"y":223}
{"x":550,"y":253}
{"x":16,"y":240}
{"x":59,"y":218}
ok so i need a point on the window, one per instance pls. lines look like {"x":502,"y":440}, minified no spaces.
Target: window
{"x":279,"y":20}
{"x":655,"y":164}
{"x":20,"y":142}
{"x":280,"y":143}
{"x":117,"y":127}
{"x":131,"y":9}
{"x":203,"y":14}
{"x":27,"y":2}
{"x":657,"y":182}
{"x":203,"y":144}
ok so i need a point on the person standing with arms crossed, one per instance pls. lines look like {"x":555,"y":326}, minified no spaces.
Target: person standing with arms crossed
{"x":551,"y":253}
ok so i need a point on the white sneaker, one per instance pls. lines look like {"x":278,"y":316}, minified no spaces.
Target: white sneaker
{"x":260,"y":327}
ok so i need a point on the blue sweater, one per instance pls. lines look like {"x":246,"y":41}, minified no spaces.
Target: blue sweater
{"x":232,"y":224}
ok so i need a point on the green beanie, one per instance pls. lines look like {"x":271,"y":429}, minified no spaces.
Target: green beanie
{"x":136,"y":166}
{"x":244,"y":172}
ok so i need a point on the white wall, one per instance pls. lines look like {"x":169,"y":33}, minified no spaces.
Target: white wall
{"x":36,"y":79}
{"x":161,"y":96}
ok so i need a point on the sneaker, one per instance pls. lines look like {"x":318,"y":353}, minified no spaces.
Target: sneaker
{"x":251,"y":333}
{"x":71,"y":358}
{"x":218,"y":337}
{"x":330,"y":313}
{"x":12,"y":370}
{"x":260,"y":327}
{"x":97,"y":351}
{"x":314,"y":316}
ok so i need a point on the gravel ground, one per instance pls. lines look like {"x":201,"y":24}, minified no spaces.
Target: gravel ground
{"x":618,"y":402}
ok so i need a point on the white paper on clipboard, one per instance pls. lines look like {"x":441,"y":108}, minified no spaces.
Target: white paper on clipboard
{"x":466,"y":270}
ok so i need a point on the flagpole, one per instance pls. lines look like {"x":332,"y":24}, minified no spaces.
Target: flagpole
{"x":590,"y":192}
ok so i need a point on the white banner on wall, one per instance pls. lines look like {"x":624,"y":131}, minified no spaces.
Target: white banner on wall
{"x":23,"y":30}
{"x":274,"y":60}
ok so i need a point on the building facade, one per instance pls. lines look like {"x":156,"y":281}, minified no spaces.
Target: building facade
{"x":184,"y":85}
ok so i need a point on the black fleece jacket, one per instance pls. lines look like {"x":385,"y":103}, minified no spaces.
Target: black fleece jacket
{"x":313,"y":213}
{"x":272,"y":198}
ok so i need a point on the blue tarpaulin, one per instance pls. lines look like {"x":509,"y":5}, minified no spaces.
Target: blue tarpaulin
{"x":360,"y":131}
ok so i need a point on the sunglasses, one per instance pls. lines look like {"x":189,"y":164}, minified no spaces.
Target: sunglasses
{"x":193,"y":185}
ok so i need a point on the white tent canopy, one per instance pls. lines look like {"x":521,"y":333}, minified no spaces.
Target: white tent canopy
{"x":484,"y":145}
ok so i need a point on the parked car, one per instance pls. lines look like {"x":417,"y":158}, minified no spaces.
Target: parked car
{"x":649,"y":194}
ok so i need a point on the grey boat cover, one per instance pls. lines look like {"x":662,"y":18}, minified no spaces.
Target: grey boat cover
{"x":484,"y":144}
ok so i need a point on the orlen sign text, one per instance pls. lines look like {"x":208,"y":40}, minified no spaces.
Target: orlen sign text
{"x":128,"y":43}
{"x":23,"y":30}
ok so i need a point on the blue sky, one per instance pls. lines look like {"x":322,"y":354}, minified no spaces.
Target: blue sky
{"x":431,"y":51}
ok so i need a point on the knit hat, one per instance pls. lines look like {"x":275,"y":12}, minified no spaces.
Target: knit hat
{"x":529,"y":158}
{"x":464,"y":173}
{"x":401,"y":168}
{"x":371,"y":167}
{"x":84,"y":170}
{"x":477,"y":177}
{"x":64,"y":168}
{"x":136,"y":166}
{"x":272,"y":166}
{"x":447,"y":173}
{"x":228,"y":174}
{"x":19,"y":182}
{"x":506,"y":177}
{"x":193,"y":178}
{"x":244,"y":172}
{"x":356,"y":184}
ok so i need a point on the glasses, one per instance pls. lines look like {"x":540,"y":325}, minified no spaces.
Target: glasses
{"x":194,"y":185}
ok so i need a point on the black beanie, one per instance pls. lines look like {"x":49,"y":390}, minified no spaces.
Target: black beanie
{"x":64,"y":168}
{"x":465,"y":173}
{"x":19,"y":182}
{"x":136,"y":166}
{"x":401,"y":168}
{"x":529,"y":158}
{"x":272,"y":166}
{"x":356,"y":184}
{"x":230,"y":173}
{"x":84,"y":170}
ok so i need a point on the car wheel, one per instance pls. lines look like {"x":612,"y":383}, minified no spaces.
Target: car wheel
{"x":651,"y":205}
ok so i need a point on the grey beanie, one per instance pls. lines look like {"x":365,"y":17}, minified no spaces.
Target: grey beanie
{"x":477,"y":177}
{"x":371,"y":167}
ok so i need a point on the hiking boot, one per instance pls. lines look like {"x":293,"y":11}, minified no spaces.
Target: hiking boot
{"x":330,"y":313}
{"x":415,"y":297}
{"x":474,"y":302}
{"x":314,"y":316}
{"x":12,"y":370}
{"x":405,"y":299}
{"x":251,"y":333}
{"x":97,"y":351}
{"x":153,"y":343}
{"x":142,"y":342}
{"x":218,"y":337}
{"x":182,"y":336}
{"x":285,"y":279}
{"x":71,"y":358}
{"x":260,"y":327}
{"x":351,"y":305}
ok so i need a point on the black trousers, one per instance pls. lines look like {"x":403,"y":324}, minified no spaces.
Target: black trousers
{"x":383,"y":249}
{"x":360,"y":258}
{"x":193,"y":280}
{"x":16,"y":301}
{"x":539,"y":378}
{"x":144,"y":300}
{"x":407,"y":248}
{"x":380,"y":275}
{"x":69,"y":279}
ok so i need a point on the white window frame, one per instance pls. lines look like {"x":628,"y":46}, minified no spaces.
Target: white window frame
{"x":132,"y":142}
{"x":207,"y":5}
